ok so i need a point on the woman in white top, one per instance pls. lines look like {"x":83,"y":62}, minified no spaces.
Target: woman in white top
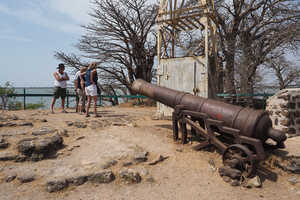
{"x":60,"y":84}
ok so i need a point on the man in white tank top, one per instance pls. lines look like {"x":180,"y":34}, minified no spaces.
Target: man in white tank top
{"x":60,"y":86}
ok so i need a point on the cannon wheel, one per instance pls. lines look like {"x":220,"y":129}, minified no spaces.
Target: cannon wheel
{"x":240,"y":157}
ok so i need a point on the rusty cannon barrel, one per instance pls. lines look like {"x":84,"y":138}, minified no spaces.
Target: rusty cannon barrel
{"x":250,"y":122}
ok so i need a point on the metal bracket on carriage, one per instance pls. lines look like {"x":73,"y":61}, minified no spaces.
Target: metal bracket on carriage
{"x":178,"y":111}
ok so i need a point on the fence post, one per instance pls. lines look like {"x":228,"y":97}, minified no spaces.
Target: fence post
{"x":100,"y":100}
{"x":67,"y":99}
{"x":24,"y":101}
{"x":264,"y":101}
{"x":115,"y":99}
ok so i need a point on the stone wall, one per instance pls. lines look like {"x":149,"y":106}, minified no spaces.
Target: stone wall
{"x":284,"y":110}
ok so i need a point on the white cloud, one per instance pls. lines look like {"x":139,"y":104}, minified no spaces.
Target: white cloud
{"x":61,"y":15}
{"x":77,"y":10}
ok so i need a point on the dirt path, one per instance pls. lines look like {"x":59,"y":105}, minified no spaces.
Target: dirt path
{"x":185,"y":174}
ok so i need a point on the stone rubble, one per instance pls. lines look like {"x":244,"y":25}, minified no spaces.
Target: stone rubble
{"x":109,"y":164}
{"x":294,"y":166}
{"x":130,"y":176}
{"x":294,"y":180}
{"x":253,"y":182}
{"x":44,"y":131}
{"x":60,"y":183}
{"x":78,"y":124}
{"x":159,"y":159}
{"x":284,"y":111}
{"x":26,"y":178}
{"x":8,"y":156}
{"x":3,"y":143}
{"x":140,"y":156}
{"x":10,"y":177}
{"x":230,"y":172}
{"x":38,"y":149}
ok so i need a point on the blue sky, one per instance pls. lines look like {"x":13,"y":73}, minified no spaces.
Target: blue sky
{"x":30,"y":32}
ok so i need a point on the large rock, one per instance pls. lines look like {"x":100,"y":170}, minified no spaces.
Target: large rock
{"x":130,"y":176}
{"x":37,"y":149}
{"x":3,"y":143}
{"x":102,"y":177}
{"x":253,"y":182}
{"x":6,"y":156}
{"x":26,"y":178}
{"x":78,"y":180}
{"x":294,"y":166}
{"x":230,"y":172}
{"x":140,"y":156}
{"x":10,"y":177}
{"x":13,"y":133}
{"x":56,"y":185}
{"x":43,"y":131}
{"x":25,"y":124}
{"x":79,"y":125}
{"x":60,"y":183}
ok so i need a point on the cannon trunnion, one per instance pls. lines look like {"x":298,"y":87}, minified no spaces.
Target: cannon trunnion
{"x":239,"y":133}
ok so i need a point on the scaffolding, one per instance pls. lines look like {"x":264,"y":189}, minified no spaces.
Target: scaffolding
{"x":176,"y":17}
{"x":186,"y":42}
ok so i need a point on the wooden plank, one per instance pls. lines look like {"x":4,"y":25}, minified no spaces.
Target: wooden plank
{"x":182,"y":10}
{"x":198,"y":21}
{"x":164,"y":44}
{"x":171,"y":9}
{"x":187,"y":25}
{"x":182,"y":17}
{"x":182,"y":4}
{"x":174,"y":26}
{"x":192,"y":23}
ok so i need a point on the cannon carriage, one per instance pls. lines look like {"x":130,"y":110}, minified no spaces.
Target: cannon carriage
{"x":239,"y":133}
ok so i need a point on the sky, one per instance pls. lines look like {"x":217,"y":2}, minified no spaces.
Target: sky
{"x":31,"y":31}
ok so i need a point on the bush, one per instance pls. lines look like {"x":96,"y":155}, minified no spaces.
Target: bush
{"x":5,"y":95}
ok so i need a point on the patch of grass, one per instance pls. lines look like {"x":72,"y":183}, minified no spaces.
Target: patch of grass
{"x":35,"y":105}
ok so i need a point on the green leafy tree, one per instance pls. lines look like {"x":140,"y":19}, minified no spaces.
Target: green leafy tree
{"x":6,"y":92}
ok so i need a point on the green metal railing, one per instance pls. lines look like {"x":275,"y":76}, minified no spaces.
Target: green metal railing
{"x":23,"y":92}
{"x":245,"y":95}
{"x":238,"y":97}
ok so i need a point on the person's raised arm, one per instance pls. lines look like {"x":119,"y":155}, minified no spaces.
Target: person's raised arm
{"x":75,"y":84}
{"x":56,"y":76}
{"x":93,"y":73}
{"x":67,"y":77}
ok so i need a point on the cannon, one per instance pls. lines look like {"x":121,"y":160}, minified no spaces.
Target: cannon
{"x":239,"y":133}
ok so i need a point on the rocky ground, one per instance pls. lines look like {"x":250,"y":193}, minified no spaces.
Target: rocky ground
{"x":124,"y":155}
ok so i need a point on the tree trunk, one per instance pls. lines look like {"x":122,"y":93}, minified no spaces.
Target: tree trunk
{"x":229,"y":77}
{"x":229,"y":85}
{"x":246,"y":82}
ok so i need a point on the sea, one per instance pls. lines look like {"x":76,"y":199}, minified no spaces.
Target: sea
{"x":45,"y":100}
